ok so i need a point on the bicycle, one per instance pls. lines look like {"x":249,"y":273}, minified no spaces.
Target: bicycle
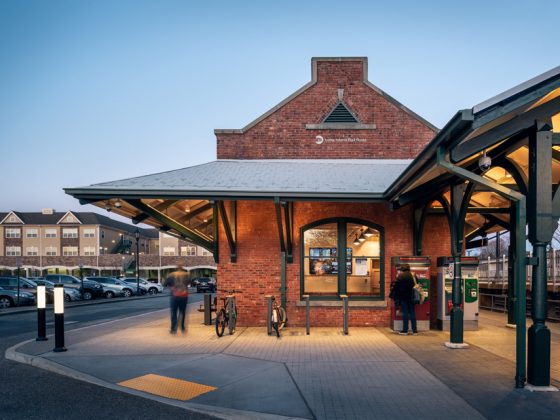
{"x":278,"y":317}
{"x":227,"y":315}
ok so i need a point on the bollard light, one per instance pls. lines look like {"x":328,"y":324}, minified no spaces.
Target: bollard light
{"x":59,"y":299}
{"x":41,"y":297}
{"x":59,"y":318}
{"x":41,"y":317}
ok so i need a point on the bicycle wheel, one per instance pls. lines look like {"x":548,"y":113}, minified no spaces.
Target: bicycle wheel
{"x":282,"y":318}
{"x":232,"y":321}
{"x":221,"y":321}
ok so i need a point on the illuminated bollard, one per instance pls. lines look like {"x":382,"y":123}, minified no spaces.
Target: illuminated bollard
{"x":59,"y":318}
{"x":41,"y":316}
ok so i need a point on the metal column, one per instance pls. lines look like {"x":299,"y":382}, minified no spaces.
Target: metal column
{"x":540,"y":233}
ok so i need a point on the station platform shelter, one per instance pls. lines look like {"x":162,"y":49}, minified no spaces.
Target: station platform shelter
{"x":316,"y":197}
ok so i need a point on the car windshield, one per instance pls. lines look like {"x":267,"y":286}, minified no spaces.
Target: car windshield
{"x":32,"y":283}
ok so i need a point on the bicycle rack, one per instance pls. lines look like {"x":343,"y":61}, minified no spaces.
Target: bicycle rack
{"x":344,"y":314}
{"x":268,"y":314}
{"x":307,"y":314}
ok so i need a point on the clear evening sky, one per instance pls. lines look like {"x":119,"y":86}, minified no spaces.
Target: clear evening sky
{"x":94,"y":91}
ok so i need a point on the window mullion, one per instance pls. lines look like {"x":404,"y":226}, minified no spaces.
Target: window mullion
{"x":341,"y":258}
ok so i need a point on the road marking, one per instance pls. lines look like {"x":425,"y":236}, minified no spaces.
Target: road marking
{"x":65,"y":323}
{"x":164,"y":386}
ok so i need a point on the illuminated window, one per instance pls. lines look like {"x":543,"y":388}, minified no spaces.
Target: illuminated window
{"x":353,"y":244}
{"x":69,"y":251}
{"x":189,"y":251}
{"x":50,"y":233}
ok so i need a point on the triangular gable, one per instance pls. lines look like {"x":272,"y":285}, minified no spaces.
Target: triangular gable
{"x":341,"y":114}
{"x":69,"y":217}
{"x":12,"y":217}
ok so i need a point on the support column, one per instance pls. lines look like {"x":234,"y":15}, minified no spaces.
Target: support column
{"x":460,"y":198}
{"x":540,"y":233}
{"x":511,"y":295}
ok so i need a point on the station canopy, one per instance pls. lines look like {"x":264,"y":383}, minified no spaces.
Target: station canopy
{"x":498,"y":128}
{"x":180,"y":202}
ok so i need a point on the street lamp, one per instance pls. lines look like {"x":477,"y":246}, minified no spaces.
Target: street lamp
{"x":59,"y":318}
{"x":82,"y":280}
{"x":41,"y":317}
{"x":137,"y":235}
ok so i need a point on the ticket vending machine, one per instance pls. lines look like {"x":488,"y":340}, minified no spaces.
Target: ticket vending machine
{"x":421,"y":267}
{"x":469,"y":292}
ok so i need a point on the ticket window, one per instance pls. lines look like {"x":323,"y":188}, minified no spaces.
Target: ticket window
{"x":361,"y":272}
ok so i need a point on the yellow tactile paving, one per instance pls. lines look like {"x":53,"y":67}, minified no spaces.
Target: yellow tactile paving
{"x":164,"y":386}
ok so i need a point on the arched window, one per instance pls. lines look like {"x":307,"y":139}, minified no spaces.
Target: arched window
{"x":356,"y":245}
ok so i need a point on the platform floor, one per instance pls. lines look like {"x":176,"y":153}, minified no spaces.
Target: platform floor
{"x":371,"y":373}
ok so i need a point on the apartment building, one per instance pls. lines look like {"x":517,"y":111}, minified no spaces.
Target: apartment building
{"x":67,"y":242}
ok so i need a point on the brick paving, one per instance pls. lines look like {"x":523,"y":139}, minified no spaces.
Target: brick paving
{"x":371,"y":373}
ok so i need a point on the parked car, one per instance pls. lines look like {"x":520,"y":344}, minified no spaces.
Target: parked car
{"x":9,"y":298}
{"x":114,"y":287}
{"x":92,"y":289}
{"x":70,"y":294}
{"x":206,"y":284}
{"x":145,"y":285}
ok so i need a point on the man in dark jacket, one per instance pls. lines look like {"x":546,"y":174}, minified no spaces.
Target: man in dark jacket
{"x":403,"y":292}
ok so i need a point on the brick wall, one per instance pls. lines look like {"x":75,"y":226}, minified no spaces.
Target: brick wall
{"x":257,"y":272}
{"x":283,"y":134}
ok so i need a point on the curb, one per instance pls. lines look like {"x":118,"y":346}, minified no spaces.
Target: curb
{"x":42,"y":363}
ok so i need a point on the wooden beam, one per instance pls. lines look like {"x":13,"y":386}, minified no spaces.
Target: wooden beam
{"x":229,"y":234}
{"x":195,"y":237}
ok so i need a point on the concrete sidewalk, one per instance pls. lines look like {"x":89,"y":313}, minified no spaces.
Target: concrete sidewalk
{"x":370,"y":373}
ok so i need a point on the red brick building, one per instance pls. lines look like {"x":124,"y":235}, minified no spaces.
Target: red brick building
{"x":338,"y":115}
{"x":297,"y":194}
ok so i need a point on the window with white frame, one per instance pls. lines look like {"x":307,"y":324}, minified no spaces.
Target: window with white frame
{"x":31,"y":251}
{"x":13,"y":251}
{"x":50,"y":251}
{"x":169,"y":251}
{"x":205,"y":252}
{"x":13,"y":233}
{"x":70,"y":251}
{"x":89,"y":233}
{"x":89,"y":251}
{"x":50,"y":233}
{"x":189,"y":250}
{"x":32,"y":233}
{"x":12,"y":219}
{"x":69,"y":232}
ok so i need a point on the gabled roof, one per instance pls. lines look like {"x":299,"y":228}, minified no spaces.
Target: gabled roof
{"x":66,"y":215}
{"x":87,"y":218}
{"x":313,"y":81}
{"x":289,"y":178}
{"x":12,"y":213}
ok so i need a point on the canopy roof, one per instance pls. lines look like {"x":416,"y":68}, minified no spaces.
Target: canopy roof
{"x":306,"y":178}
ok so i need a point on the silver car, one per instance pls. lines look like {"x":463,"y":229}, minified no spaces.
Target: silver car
{"x":145,"y":286}
{"x":114,"y":287}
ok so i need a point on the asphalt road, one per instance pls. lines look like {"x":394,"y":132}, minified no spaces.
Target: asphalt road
{"x":32,"y":393}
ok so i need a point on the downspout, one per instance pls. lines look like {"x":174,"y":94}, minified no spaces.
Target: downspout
{"x":520,"y":237}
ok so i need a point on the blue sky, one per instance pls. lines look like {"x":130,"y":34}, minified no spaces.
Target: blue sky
{"x":93,"y":91}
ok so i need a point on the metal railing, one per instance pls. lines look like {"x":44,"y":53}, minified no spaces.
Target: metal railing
{"x":498,"y":303}
{"x":493,"y":272}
